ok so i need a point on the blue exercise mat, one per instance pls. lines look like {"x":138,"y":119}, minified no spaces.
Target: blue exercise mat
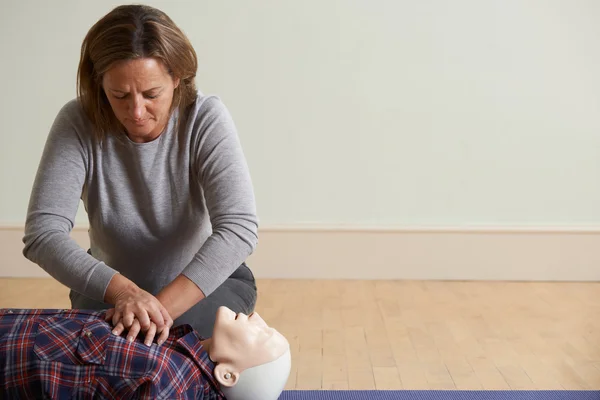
{"x":440,"y":395}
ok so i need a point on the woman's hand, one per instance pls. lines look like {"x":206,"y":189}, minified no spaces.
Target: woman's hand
{"x":135,"y":329}
{"x":132,"y":303}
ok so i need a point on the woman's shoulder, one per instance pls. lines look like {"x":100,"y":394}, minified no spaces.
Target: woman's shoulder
{"x":72,"y":109}
{"x":71,"y":116}
{"x":208,"y":107}
{"x":208,"y":121}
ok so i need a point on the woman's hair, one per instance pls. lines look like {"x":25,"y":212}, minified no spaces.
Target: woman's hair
{"x":129,"y":32}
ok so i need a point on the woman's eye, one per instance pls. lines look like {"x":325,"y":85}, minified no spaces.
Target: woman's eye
{"x":124,"y":96}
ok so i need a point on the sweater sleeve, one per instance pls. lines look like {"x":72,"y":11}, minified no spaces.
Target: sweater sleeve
{"x":224,"y":176}
{"x":53,"y":204}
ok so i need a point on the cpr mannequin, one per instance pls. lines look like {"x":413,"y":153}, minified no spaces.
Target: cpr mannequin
{"x":252,"y":360}
{"x":70,"y":353}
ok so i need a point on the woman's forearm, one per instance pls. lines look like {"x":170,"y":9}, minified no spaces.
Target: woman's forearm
{"x":118,"y":286}
{"x":179,"y":296}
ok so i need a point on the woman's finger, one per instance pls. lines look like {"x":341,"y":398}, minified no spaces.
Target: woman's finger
{"x":157,"y":317}
{"x":150,"y":335}
{"x":164,"y":334}
{"x":167,"y":317}
{"x":118,"y":329}
{"x":133,"y":330}
{"x":116,"y":318}
{"x":109,"y":314}
{"x":143,"y":319}
{"x":127,"y":319}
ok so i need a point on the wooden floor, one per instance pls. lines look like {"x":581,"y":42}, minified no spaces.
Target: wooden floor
{"x":417,"y":334}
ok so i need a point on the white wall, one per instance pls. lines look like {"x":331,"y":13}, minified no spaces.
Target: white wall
{"x":363,"y":113}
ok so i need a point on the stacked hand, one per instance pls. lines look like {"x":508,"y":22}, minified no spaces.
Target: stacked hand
{"x":138,"y":311}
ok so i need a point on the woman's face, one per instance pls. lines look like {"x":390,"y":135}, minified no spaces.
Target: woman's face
{"x":140,"y":93}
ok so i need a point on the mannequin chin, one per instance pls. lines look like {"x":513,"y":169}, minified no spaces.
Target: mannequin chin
{"x":252,"y":360}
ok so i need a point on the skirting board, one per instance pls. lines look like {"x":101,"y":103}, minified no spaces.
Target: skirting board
{"x":440,"y":254}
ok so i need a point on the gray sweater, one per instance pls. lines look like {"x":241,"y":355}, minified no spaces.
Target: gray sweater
{"x":183,"y":203}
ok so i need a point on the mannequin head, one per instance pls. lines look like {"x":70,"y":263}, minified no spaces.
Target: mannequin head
{"x":252,"y":359}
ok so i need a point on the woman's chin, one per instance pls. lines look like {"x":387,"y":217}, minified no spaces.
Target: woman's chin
{"x":140,"y":135}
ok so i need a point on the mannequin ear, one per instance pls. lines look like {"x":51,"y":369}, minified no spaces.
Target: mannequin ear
{"x":225,"y":376}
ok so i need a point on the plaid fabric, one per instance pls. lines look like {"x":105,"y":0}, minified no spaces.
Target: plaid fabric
{"x":72,"y":354}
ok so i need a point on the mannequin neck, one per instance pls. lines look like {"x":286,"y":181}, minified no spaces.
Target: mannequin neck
{"x":206,"y":343}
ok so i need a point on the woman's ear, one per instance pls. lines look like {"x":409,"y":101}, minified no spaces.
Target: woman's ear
{"x":225,"y":375}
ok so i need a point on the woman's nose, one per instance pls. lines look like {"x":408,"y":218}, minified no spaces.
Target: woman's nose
{"x":137,"y":109}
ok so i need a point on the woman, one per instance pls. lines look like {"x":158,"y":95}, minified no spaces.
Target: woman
{"x":163,"y":178}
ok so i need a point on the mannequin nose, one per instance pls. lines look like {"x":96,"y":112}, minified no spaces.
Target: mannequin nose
{"x":255,"y":317}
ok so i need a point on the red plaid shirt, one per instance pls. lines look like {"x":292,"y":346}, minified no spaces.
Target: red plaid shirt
{"x":60,"y":354}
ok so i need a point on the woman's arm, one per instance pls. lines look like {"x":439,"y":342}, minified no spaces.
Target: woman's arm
{"x":52,"y":208}
{"x":223,"y":174}
{"x":179,"y":296}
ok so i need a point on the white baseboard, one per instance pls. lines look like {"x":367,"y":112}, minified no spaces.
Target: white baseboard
{"x":441,"y":254}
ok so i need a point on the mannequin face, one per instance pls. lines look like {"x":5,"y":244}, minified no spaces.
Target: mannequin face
{"x":240,"y":342}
